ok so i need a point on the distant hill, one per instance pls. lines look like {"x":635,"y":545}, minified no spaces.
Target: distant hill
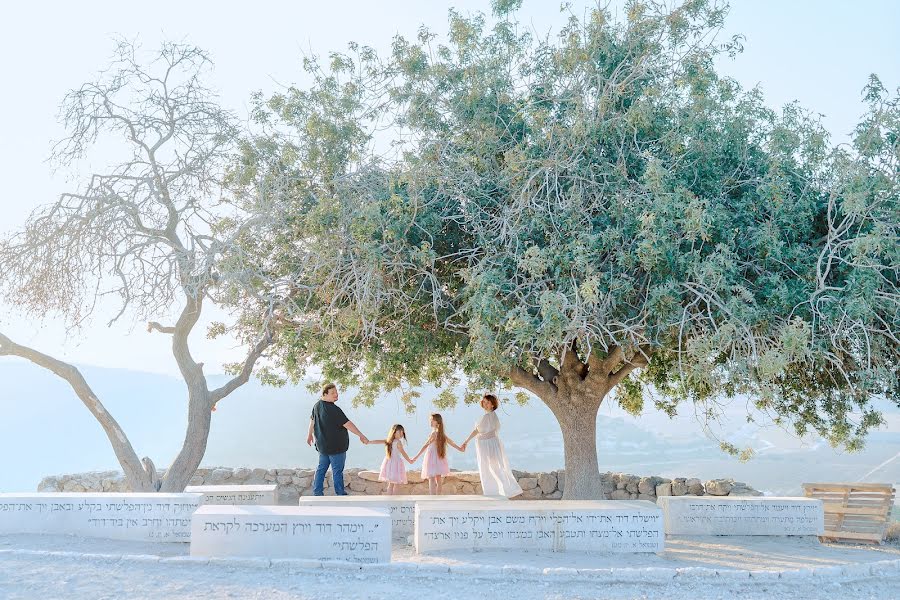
{"x":46,"y":430}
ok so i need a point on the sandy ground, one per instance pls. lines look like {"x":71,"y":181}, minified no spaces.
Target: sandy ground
{"x":49,"y":567}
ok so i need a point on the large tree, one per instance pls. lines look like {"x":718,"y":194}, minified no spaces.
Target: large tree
{"x":156,"y":232}
{"x":590,"y":212}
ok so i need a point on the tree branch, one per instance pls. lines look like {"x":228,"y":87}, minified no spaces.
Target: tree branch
{"x":121,"y":446}
{"x":542,"y":389}
{"x":160,"y":328}
{"x":247,"y":368}
{"x":639,"y":360}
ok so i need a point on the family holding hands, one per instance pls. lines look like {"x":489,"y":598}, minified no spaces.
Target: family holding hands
{"x":329,"y":427}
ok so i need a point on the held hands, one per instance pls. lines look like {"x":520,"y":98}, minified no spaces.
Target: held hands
{"x":363,"y":439}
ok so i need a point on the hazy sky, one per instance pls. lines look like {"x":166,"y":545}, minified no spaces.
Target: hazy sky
{"x":819,"y":52}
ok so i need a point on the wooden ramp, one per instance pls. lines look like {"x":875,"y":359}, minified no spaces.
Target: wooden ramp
{"x":857,"y":512}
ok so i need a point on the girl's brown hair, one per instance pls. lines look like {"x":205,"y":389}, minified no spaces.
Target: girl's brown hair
{"x":493,"y":400}
{"x":396,"y":431}
{"x":440,"y":440}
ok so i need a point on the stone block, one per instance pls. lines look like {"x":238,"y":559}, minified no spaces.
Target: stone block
{"x":679,"y":487}
{"x":118,"y":516}
{"x":664,"y":489}
{"x":344,"y":533}
{"x":720,"y":515}
{"x":401,"y":508}
{"x":235,"y":494}
{"x":592,"y":526}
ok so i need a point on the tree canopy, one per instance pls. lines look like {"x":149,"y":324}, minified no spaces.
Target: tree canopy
{"x":595,"y":210}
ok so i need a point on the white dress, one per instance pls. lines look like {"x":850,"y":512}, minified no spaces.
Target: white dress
{"x":496,"y":476}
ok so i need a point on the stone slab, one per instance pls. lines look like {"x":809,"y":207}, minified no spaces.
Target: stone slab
{"x":556,"y":525}
{"x":347,"y":533}
{"x":117,"y":516}
{"x":759,"y":515}
{"x":402,"y":508}
{"x":236,"y":494}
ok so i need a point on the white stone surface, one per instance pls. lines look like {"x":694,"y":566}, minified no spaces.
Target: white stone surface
{"x":347,"y":533}
{"x":557,"y":525}
{"x":236,"y":494}
{"x":760,"y":515}
{"x":402,"y":508}
{"x":117,"y":516}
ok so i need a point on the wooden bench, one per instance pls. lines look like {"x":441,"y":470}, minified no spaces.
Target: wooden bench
{"x":856,"y":512}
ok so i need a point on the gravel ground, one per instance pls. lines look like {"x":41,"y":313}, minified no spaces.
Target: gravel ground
{"x":29,"y":572}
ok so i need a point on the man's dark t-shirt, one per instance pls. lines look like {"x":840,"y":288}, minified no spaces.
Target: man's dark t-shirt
{"x":328,"y":428}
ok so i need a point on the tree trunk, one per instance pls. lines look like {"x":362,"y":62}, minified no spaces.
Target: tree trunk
{"x":578,"y":422}
{"x":196,"y":437}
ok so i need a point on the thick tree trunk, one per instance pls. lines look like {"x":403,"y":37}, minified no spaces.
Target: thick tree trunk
{"x":578,"y":422}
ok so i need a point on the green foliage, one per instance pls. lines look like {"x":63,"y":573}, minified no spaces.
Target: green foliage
{"x":605,"y":186}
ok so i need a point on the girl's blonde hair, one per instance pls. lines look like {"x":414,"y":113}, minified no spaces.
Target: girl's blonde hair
{"x":440,"y":440}
{"x":396,"y":432}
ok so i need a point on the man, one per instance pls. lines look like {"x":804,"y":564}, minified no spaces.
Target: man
{"x":328,"y":425}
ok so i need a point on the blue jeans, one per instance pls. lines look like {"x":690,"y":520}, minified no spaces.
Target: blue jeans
{"x":336,"y":462}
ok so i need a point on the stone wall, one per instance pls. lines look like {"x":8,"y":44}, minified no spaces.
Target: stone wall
{"x":293,"y":483}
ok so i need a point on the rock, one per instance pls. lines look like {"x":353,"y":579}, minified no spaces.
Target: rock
{"x":528,"y":483}
{"x":719,"y":487}
{"x":742,"y":489}
{"x":258,"y":474}
{"x":283,"y":479}
{"x":694,"y":487}
{"x":368,"y":475}
{"x":218,"y":476}
{"x":631,"y":483}
{"x":467,"y":476}
{"x":241,"y":474}
{"x":547,"y":482}
{"x":679,"y":486}
{"x":554,"y":496}
{"x":467,"y":488}
{"x":647,"y":486}
{"x":48,"y":484}
{"x":358,"y":485}
{"x":532,"y":494}
{"x":561,"y":480}
{"x":620,"y":495}
{"x":664,"y":489}
{"x":646,"y":497}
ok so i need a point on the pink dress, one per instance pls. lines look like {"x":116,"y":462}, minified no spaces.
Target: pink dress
{"x":432,"y":464}
{"x":393,"y":469}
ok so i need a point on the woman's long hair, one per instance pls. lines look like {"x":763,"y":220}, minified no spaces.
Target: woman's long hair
{"x":396,"y":432}
{"x":440,"y":440}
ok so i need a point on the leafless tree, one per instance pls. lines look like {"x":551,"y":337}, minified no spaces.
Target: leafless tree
{"x":157,"y":231}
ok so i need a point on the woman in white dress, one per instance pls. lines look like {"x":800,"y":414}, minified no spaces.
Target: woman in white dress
{"x":496,"y":476}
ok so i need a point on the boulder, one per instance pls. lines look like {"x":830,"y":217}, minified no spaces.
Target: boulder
{"x":620,"y":495}
{"x":528,"y":483}
{"x":218,"y":476}
{"x":241,"y":474}
{"x":742,"y":489}
{"x":695,"y":488}
{"x":547,"y":482}
{"x":719,"y":487}
{"x":664,"y":489}
{"x":679,"y":486}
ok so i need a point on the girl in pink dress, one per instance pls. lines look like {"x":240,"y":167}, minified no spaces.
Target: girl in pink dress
{"x":393,"y":469}
{"x":434,"y":465}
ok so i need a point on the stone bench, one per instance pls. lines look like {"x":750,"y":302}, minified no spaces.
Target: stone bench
{"x":236,"y":494}
{"x":401,"y":508}
{"x":761,"y":515}
{"x":312,"y":532}
{"x":556,"y":525}
{"x":118,"y":516}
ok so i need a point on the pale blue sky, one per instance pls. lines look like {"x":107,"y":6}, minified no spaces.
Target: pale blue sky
{"x":817,"y":52}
